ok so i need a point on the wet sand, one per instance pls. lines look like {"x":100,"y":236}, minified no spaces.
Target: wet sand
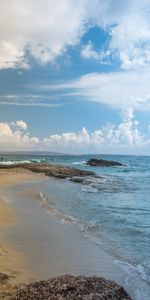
{"x":7,"y":215}
{"x":40,"y":244}
{"x":11,"y":261}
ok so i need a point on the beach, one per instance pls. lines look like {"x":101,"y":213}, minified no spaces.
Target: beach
{"x":38,"y":242}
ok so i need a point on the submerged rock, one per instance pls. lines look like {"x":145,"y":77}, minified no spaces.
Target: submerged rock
{"x":73,"y":288}
{"x":102,"y":163}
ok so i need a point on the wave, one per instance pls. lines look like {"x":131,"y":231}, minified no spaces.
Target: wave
{"x":136,"y":278}
{"x":37,"y":160}
{"x":129,"y":268}
{"x":105,"y":183}
{"x":82,"y":163}
{"x":88,"y":189}
{"x":76,"y":163}
{"x":10,"y":163}
{"x":93,"y":184}
{"x":15,"y":162}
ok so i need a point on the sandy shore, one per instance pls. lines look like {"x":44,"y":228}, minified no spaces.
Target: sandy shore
{"x":12,"y":261}
{"x":16,"y":175}
{"x":34,"y":244}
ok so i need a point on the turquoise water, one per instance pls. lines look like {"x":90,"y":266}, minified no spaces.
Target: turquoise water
{"x":113,"y":211}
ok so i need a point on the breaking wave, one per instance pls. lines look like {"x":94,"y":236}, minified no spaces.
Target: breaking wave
{"x":10,"y":163}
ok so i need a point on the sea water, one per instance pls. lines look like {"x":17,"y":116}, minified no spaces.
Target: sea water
{"x":112,"y":210}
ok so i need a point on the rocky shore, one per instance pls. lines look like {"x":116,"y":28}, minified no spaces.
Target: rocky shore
{"x":52,"y":170}
{"x":72,"y":288}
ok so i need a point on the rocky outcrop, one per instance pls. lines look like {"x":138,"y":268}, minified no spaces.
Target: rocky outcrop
{"x":57,"y":171}
{"x":73,"y":288}
{"x":52,"y":170}
{"x":102,"y":163}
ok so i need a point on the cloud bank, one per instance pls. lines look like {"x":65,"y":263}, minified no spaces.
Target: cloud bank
{"x":124,"y":137}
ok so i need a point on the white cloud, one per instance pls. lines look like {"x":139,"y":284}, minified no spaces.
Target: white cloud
{"x":110,"y":137}
{"x":30,"y":100}
{"x":47,"y":28}
{"x":32,"y":104}
{"x":22,"y":124}
{"x":131,"y":35}
{"x":89,"y":52}
{"x":127,"y":115}
{"x":12,"y":137}
{"x":120,"y":89}
{"x":11,"y":55}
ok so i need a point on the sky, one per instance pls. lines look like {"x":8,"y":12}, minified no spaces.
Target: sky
{"x":75,"y":76}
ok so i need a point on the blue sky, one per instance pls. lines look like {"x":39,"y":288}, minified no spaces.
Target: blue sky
{"x":74,"y":76}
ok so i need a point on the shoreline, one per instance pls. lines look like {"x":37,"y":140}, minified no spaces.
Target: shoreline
{"x":41,"y":241}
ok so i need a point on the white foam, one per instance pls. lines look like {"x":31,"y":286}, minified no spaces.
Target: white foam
{"x":10,"y":163}
{"x":82,"y":163}
{"x":136,"y":280}
{"x":37,"y":160}
{"x":141,"y":270}
{"x":88,"y":189}
{"x":43,"y":197}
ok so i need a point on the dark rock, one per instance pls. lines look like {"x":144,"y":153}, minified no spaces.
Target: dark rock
{"x":3,"y":278}
{"x":102,"y":163}
{"x":77,"y":179}
{"x":73,"y":288}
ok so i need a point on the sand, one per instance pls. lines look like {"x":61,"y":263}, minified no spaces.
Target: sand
{"x":7,"y":215}
{"x":12,"y":261}
{"x":16,"y":175}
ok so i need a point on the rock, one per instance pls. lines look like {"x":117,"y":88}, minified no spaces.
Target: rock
{"x":103,"y":163}
{"x":77,"y":179}
{"x":3,"y":278}
{"x":73,"y":288}
{"x":53,"y":170}
{"x":57,"y":171}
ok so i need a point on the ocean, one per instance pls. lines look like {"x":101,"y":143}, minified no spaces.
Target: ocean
{"x":112,"y":210}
